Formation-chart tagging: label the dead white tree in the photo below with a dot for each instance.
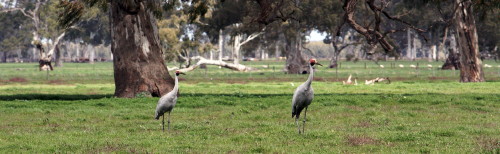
(34, 15)
(239, 40)
(203, 61)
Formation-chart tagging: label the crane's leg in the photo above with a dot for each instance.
(297, 123)
(163, 122)
(169, 121)
(304, 125)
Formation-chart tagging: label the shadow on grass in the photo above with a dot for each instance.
(240, 95)
(51, 97)
(73, 97)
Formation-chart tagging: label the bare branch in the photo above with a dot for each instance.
(10, 10)
(253, 36)
(57, 41)
(203, 61)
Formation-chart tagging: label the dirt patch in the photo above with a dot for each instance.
(488, 144)
(355, 108)
(357, 140)
(440, 78)
(364, 124)
(18, 79)
(56, 82)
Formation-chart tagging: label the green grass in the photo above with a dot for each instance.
(241, 114)
(99, 73)
(255, 119)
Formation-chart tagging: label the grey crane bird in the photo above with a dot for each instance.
(303, 96)
(167, 103)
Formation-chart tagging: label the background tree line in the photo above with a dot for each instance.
(226, 32)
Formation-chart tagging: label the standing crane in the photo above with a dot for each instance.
(167, 102)
(303, 96)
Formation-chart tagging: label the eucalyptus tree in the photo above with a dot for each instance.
(14, 34)
(463, 20)
(138, 63)
(43, 16)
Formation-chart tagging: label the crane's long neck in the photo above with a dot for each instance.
(311, 76)
(176, 86)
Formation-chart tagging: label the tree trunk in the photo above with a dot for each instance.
(4, 57)
(44, 62)
(408, 44)
(91, 49)
(442, 46)
(452, 62)
(236, 49)
(334, 60)
(432, 53)
(414, 48)
(470, 62)
(295, 62)
(277, 53)
(59, 55)
(221, 44)
(138, 64)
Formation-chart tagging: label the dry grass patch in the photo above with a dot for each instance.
(18, 79)
(357, 140)
(488, 145)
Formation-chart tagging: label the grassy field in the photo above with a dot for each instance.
(229, 112)
(269, 71)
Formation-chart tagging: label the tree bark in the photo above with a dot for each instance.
(432, 53)
(138, 64)
(4, 57)
(91, 49)
(277, 53)
(470, 62)
(236, 49)
(295, 62)
(452, 62)
(408, 44)
(442, 46)
(334, 59)
(59, 55)
(221, 44)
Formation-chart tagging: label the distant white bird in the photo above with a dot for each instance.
(371, 82)
(349, 81)
(167, 102)
(303, 96)
(381, 66)
(401, 65)
(429, 65)
(293, 85)
(413, 66)
(488, 66)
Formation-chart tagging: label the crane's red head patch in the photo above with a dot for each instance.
(178, 72)
(313, 61)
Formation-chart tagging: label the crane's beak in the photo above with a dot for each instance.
(182, 73)
(319, 64)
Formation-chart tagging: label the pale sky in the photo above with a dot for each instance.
(316, 36)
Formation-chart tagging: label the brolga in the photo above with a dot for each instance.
(303, 96)
(167, 103)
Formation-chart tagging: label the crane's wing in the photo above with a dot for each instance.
(165, 104)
